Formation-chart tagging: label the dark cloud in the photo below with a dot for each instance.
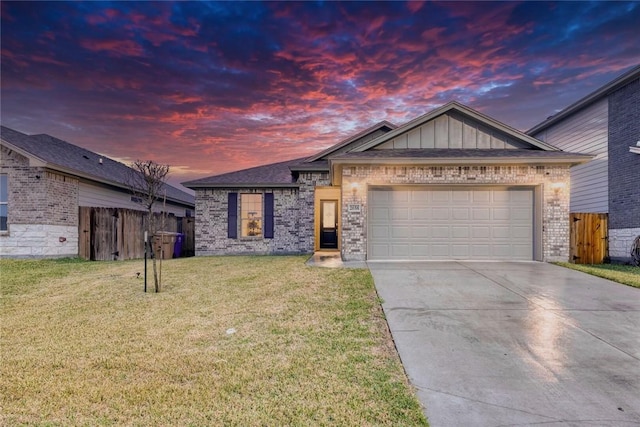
(209, 87)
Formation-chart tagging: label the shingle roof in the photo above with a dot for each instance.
(271, 175)
(69, 158)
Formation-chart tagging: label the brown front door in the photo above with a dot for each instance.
(329, 224)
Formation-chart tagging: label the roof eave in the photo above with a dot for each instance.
(605, 90)
(304, 168)
(194, 186)
(351, 139)
(572, 160)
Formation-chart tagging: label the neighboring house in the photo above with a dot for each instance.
(451, 184)
(44, 181)
(605, 124)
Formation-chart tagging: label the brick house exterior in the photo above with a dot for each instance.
(606, 124)
(44, 182)
(494, 192)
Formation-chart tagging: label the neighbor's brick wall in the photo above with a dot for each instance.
(555, 209)
(624, 170)
(624, 166)
(50, 199)
(211, 224)
(41, 210)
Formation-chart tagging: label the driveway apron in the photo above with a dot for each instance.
(505, 344)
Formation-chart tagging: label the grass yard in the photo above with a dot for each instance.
(625, 274)
(81, 344)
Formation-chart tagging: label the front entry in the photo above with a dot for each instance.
(328, 224)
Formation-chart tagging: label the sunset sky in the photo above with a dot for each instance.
(213, 87)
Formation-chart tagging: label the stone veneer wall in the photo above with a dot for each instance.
(212, 216)
(555, 209)
(42, 210)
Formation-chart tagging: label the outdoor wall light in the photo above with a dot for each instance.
(557, 186)
(354, 187)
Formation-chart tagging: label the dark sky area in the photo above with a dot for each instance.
(214, 87)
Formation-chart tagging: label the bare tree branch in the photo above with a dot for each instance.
(146, 181)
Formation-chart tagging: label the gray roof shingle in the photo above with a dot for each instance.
(274, 174)
(73, 159)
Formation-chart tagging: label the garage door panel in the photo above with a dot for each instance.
(440, 250)
(461, 196)
(480, 214)
(380, 232)
(480, 196)
(522, 196)
(380, 214)
(400, 213)
(441, 231)
(420, 231)
(420, 214)
(458, 232)
(501, 214)
(481, 232)
(520, 232)
(440, 213)
(400, 232)
(440, 196)
(460, 214)
(460, 251)
(399, 196)
(521, 213)
(400, 251)
(451, 224)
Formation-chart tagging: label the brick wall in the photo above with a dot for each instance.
(624, 170)
(624, 166)
(42, 210)
(211, 224)
(308, 182)
(555, 209)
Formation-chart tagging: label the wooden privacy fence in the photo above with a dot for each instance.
(588, 237)
(118, 234)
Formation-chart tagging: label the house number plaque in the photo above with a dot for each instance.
(353, 207)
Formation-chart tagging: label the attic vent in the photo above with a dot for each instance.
(85, 156)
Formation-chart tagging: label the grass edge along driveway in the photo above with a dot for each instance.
(626, 274)
(229, 341)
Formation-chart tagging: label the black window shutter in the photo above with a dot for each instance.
(268, 215)
(232, 223)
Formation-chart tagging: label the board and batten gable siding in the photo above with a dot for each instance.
(585, 132)
(91, 195)
(451, 131)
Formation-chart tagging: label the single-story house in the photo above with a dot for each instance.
(606, 125)
(451, 184)
(44, 181)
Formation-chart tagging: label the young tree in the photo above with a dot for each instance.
(146, 181)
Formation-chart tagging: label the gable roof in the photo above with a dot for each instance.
(465, 111)
(384, 126)
(59, 155)
(271, 175)
(598, 94)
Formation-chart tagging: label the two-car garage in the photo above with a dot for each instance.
(443, 223)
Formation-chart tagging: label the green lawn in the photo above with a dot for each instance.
(237, 341)
(625, 274)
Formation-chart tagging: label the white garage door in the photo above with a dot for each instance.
(450, 223)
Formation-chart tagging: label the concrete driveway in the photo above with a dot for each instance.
(504, 344)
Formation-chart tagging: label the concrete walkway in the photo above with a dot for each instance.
(506, 344)
(333, 259)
